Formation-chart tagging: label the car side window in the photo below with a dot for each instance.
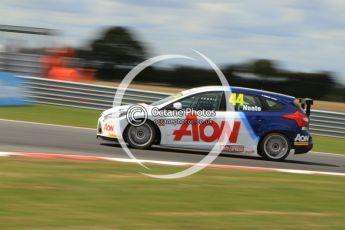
(247, 103)
(201, 101)
(272, 105)
(208, 101)
(188, 102)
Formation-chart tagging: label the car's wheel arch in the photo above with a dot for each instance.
(282, 132)
(158, 132)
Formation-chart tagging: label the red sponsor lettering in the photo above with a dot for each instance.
(198, 131)
(108, 127)
(214, 136)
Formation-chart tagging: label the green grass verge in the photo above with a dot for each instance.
(88, 118)
(60, 115)
(65, 194)
(329, 144)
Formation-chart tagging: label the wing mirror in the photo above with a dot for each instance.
(177, 105)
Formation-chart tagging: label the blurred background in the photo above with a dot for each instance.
(64, 59)
(292, 47)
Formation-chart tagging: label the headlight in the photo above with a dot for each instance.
(116, 114)
(122, 113)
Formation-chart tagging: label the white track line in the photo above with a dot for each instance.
(296, 171)
(125, 160)
(92, 158)
(335, 154)
(46, 124)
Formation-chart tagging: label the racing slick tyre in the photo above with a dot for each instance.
(274, 147)
(140, 137)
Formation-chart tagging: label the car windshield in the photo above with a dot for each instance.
(166, 99)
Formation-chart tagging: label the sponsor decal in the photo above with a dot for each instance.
(237, 99)
(197, 130)
(250, 151)
(301, 139)
(251, 108)
(112, 135)
(273, 98)
(108, 127)
(234, 148)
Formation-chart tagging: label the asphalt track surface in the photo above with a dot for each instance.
(40, 138)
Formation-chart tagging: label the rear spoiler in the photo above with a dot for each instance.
(306, 104)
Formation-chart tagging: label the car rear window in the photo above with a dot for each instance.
(298, 106)
(272, 105)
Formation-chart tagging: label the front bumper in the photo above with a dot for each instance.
(104, 138)
(109, 129)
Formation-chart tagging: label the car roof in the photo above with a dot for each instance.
(268, 94)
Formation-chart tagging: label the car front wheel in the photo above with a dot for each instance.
(275, 147)
(140, 137)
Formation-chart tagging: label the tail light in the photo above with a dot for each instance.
(300, 118)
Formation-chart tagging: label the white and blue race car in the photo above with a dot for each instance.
(241, 120)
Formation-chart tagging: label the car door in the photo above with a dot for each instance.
(239, 137)
(191, 130)
(253, 117)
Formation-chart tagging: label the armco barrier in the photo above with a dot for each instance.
(82, 95)
(327, 123)
(90, 96)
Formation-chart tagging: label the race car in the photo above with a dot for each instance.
(238, 120)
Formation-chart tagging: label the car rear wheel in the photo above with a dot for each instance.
(140, 137)
(275, 147)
